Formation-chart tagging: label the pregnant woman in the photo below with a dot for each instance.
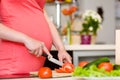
(25, 34)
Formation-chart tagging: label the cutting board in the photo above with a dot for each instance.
(54, 74)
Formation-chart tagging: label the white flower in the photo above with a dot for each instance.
(90, 28)
(93, 14)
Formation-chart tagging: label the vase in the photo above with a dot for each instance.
(86, 39)
(69, 33)
(93, 39)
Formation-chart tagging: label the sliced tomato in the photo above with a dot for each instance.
(68, 67)
(60, 70)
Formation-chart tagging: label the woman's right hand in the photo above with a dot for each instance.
(36, 47)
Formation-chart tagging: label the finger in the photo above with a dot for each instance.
(39, 53)
(61, 59)
(69, 59)
(31, 51)
(46, 51)
(64, 60)
(36, 51)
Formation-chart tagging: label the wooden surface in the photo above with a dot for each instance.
(54, 74)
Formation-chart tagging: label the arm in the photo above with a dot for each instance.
(11, 35)
(31, 44)
(62, 54)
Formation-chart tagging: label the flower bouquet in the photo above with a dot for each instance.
(91, 22)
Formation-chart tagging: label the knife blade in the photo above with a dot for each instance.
(53, 60)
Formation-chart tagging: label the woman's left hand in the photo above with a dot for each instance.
(63, 56)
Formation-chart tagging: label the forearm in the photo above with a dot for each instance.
(55, 35)
(9, 34)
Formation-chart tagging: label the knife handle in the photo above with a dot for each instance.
(44, 54)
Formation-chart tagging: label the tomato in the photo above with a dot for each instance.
(60, 70)
(106, 65)
(45, 72)
(68, 67)
(82, 63)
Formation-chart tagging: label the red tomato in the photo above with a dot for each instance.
(60, 70)
(82, 63)
(45, 72)
(106, 65)
(68, 67)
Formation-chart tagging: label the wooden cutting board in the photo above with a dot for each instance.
(54, 74)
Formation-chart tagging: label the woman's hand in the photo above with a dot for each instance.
(36, 47)
(63, 56)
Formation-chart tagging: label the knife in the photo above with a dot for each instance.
(53, 60)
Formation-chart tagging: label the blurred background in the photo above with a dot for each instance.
(109, 10)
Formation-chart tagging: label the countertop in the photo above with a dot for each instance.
(89, 47)
(69, 78)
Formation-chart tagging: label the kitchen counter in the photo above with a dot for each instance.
(88, 47)
(88, 52)
(83, 52)
(69, 78)
(36, 78)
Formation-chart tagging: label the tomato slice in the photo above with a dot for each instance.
(68, 67)
(60, 70)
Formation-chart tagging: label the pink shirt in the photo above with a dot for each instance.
(25, 16)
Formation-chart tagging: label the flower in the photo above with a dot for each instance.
(69, 13)
(91, 21)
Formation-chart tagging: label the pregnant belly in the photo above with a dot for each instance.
(34, 26)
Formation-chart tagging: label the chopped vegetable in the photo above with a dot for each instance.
(97, 61)
(82, 63)
(106, 65)
(116, 67)
(97, 68)
(93, 71)
(66, 68)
